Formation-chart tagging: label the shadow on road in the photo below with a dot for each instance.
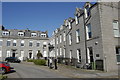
(12, 71)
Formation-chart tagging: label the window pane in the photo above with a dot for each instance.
(117, 50)
(14, 44)
(118, 58)
(0, 43)
(30, 44)
(115, 24)
(90, 34)
(88, 31)
(38, 44)
(22, 44)
(0, 53)
(116, 33)
(8, 43)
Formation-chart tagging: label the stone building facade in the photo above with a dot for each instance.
(22, 43)
(92, 37)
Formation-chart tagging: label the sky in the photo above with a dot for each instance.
(0, 13)
(37, 15)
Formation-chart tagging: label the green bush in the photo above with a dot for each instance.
(40, 62)
(2, 77)
(31, 60)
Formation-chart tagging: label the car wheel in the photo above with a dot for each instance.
(3, 70)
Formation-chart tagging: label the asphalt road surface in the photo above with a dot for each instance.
(31, 71)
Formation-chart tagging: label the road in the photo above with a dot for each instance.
(31, 71)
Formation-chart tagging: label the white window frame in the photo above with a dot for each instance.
(70, 25)
(22, 42)
(57, 40)
(116, 28)
(14, 42)
(70, 39)
(88, 55)
(79, 55)
(5, 33)
(56, 31)
(20, 33)
(77, 35)
(43, 35)
(60, 38)
(9, 41)
(76, 20)
(8, 53)
(61, 28)
(64, 36)
(64, 52)
(86, 11)
(70, 55)
(118, 54)
(1, 43)
(33, 34)
(60, 51)
(57, 51)
(66, 22)
(30, 42)
(88, 30)
(37, 44)
(0, 53)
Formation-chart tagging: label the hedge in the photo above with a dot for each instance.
(2, 77)
(31, 60)
(40, 62)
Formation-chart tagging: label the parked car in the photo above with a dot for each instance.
(5, 67)
(13, 59)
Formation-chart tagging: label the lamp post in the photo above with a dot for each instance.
(51, 47)
(48, 54)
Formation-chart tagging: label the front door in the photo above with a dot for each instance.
(14, 52)
(30, 55)
(13, 55)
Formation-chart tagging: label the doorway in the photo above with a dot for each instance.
(30, 55)
(14, 52)
(13, 55)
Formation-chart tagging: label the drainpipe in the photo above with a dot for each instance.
(85, 38)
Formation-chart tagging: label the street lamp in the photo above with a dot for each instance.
(48, 54)
(51, 47)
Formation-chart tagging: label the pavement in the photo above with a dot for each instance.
(29, 70)
(71, 71)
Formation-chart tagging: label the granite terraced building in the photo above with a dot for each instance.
(23, 44)
(92, 37)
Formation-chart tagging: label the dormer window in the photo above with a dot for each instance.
(20, 33)
(76, 19)
(56, 31)
(5, 33)
(66, 22)
(87, 11)
(53, 33)
(61, 27)
(43, 35)
(70, 26)
(57, 40)
(33, 34)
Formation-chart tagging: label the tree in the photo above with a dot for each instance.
(39, 54)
